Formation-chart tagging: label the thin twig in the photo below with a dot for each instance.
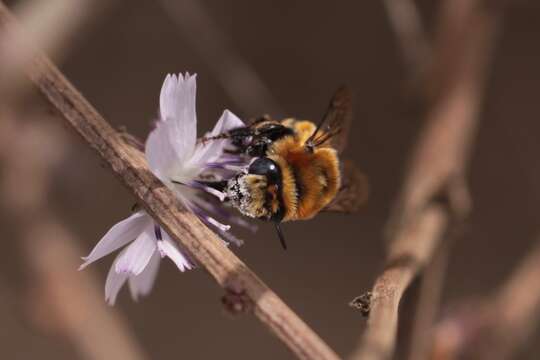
(206, 248)
(411, 36)
(235, 74)
(437, 168)
(71, 303)
(453, 30)
(61, 300)
(494, 328)
(405, 20)
(51, 24)
(428, 303)
(409, 254)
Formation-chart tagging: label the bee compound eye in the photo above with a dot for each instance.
(267, 167)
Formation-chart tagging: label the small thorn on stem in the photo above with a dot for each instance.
(362, 303)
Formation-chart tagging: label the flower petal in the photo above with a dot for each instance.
(114, 282)
(142, 284)
(137, 255)
(167, 96)
(221, 227)
(119, 235)
(177, 108)
(212, 150)
(229, 238)
(202, 207)
(168, 248)
(159, 152)
(226, 122)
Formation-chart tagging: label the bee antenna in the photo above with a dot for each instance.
(280, 235)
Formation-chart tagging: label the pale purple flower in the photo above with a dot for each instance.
(179, 161)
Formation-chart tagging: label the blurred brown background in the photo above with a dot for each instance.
(302, 50)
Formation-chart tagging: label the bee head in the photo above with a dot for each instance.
(256, 192)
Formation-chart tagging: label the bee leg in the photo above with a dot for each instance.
(221, 136)
(233, 151)
(258, 148)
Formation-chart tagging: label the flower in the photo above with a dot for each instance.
(179, 161)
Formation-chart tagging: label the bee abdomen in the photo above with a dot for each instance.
(316, 182)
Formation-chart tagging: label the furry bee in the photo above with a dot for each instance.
(296, 171)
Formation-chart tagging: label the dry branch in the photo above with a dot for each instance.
(428, 302)
(51, 24)
(71, 303)
(409, 253)
(496, 326)
(434, 190)
(206, 248)
(235, 74)
(405, 19)
(60, 300)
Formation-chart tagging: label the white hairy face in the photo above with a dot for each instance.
(247, 193)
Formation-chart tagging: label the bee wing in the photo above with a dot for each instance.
(335, 122)
(353, 192)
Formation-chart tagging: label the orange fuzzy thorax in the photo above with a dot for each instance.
(310, 180)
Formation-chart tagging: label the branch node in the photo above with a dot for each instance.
(362, 303)
(454, 197)
(236, 300)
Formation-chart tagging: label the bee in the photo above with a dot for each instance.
(296, 170)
